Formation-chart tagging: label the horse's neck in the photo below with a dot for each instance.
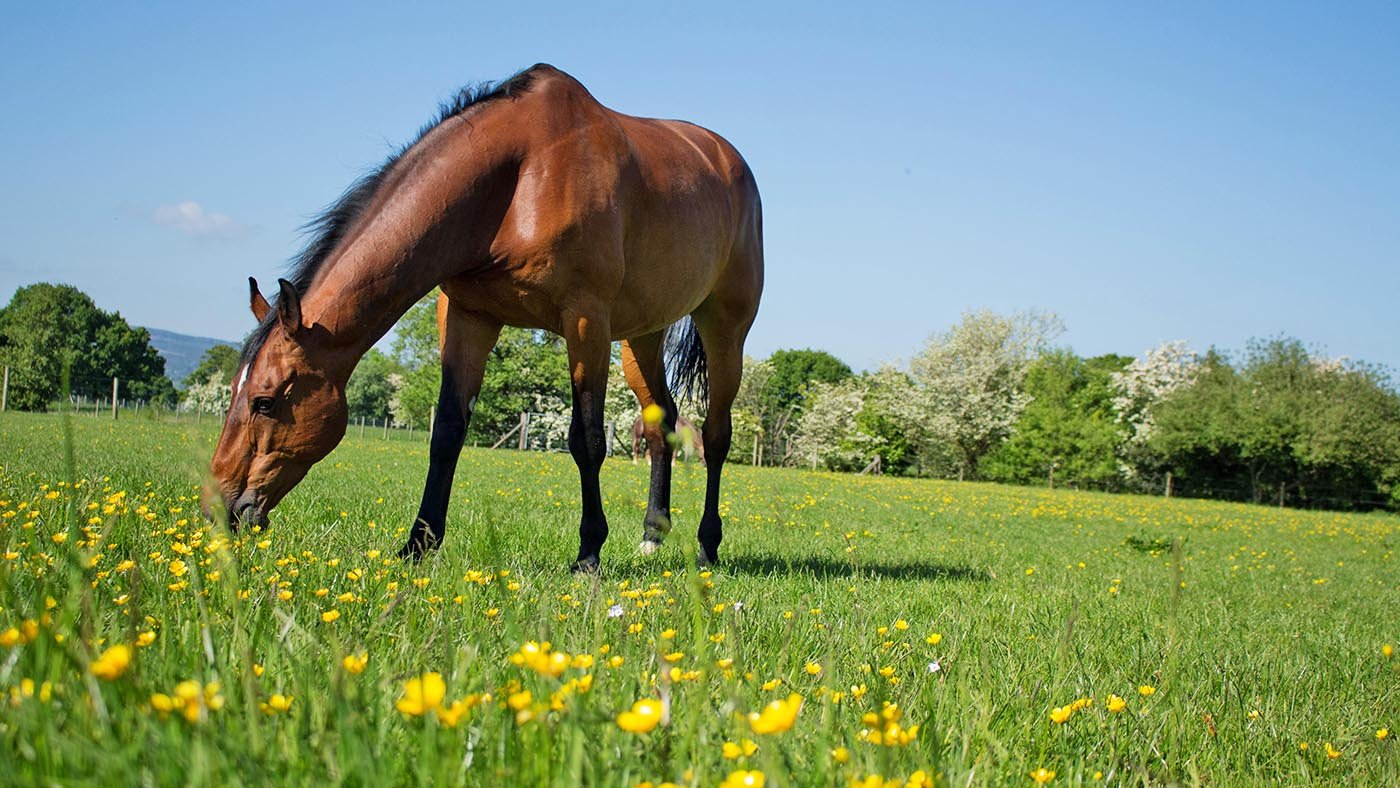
(397, 255)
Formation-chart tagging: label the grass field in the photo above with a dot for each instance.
(1178, 641)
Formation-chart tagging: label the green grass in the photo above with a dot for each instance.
(1260, 628)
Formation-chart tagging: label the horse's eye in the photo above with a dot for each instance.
(262, 405)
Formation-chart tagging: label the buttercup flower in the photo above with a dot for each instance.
(643, 717)
(113, 662)
(422, 694)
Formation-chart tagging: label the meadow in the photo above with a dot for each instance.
(857, 630)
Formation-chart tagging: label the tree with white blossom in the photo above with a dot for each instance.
(967, 382)
(211, 396)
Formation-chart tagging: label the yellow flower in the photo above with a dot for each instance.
(1146, 689)
(113, 662)
(732, 750)
(934, 639)
(355, 663)
(10, 637)
(178, 567)
(1060, 714)
(777, 716)
(1387, 651)
(1042, 775)
(450, 715)
(1116, 704)
(541, 659)
(146, 638)
(840, 755)
(1332, 752)
(643, 717)
(813, 669)
(276, 703)
(422, 694)
(330, 615)
(1382, 734)
(901, 625)
(743, 779)
(652, 414)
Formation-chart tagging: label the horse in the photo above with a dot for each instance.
(529, 204)
(687, 439)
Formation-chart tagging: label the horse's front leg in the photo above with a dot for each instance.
(589, 345)
(466, 341)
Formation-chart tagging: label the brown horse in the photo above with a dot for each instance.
(531, 205)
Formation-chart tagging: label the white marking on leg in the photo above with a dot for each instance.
(648, 547)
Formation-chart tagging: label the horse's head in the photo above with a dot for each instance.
(288, 411)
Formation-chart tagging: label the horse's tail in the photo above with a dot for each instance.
(686, 362)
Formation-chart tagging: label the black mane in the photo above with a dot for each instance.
(326, 229)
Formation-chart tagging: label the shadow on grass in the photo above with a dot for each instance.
(823, 568)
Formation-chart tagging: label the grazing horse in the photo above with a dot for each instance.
(530, 204)
(687, 439)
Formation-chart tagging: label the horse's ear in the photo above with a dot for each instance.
(289, 307)
(256, 301)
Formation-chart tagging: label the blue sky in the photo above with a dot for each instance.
(1149, 172)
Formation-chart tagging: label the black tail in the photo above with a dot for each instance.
(686, 362)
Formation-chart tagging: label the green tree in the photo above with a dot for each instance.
(526, 371)
(1286, 426)
(369, 390)
(46, 326)
(219, 358)
(788, 377)
(1068, 432)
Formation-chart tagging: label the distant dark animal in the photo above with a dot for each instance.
(530, 204)
(685, 431)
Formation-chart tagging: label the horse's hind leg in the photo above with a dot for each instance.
(644, 365)
(723, 322)
(466, 340)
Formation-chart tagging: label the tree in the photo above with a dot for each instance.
(219, 358)
(368, 392)
(777, 402)
(1283, 425)
(967, 383)
(527, 371)
(47, 327)
(845, 425)
(1068, 432)
(214, 395)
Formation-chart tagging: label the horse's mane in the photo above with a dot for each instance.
(328, 228)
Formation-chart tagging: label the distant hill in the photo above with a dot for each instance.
(181, 352)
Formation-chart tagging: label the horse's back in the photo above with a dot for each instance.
(643, 214)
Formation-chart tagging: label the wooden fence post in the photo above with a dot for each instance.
(386, 428)
(362, 428)
(1169, 484)
(114, 399)
(5, 391)
(524, 431)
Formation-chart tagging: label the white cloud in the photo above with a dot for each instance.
(191, 218)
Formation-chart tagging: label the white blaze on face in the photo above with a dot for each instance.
(242, 378)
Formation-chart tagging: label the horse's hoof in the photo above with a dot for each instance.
(648, 547)
(587, 565)
(705, 558)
